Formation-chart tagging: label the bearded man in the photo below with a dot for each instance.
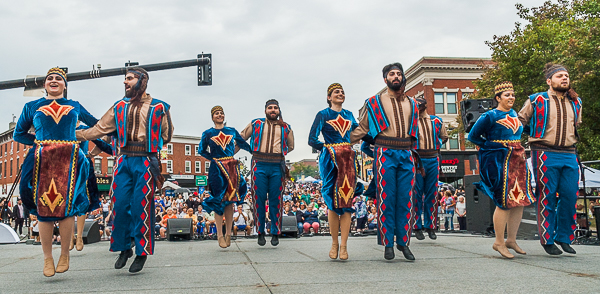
(142, 125)
(552, 118)
(270, 140)
(392, 119)
(432, 135)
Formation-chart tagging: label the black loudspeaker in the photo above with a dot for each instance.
(289, 225)
(179, 228)
(471, 110)
(91, 232)
(480, 208)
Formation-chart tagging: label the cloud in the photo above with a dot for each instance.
(286, 50)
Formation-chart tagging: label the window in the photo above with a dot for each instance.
(18, 148)
(198, 167)
(206, 166)
(5, 167)
(18, 162)
(12, 144)
(169, 148)
(111, 164)
(11, 167)
(445, 103)
(188, 167)
(1, 169)
(452, 142)
(451, 102)
(188, 150)
(196, 150)
(98, 165)
(170, 166)
(439, 103)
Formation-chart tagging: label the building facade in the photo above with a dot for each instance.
(444, 82)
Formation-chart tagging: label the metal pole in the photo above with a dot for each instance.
(38, 82)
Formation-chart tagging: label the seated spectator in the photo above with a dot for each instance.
(241, 221)
(201, 221)
(311, 220)
(183, 212)
(109, 224)
(209, 220)
(302, 207)
(287, 211)
(190, 214)
(163, 223)
(372, 218)
(299, 219)
(361, 215)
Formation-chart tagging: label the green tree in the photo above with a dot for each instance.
(565, 32)
(299, 169)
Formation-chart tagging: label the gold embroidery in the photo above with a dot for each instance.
(511, 123)
(52, 198)
(340, 124)
(222, 140)
(56, 111)
(346, 191)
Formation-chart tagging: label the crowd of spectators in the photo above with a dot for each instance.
(303, 201)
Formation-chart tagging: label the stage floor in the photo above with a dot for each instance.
(454, 263)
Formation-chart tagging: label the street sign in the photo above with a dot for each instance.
(201, 181)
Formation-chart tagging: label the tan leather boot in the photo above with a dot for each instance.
(228, 240)
(222, 242)
(333, 253)
(343, 252)
(79, 243)
(515, 247)
(49, 267)
(503, 251)
(63, 264)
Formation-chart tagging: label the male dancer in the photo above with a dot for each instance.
(432, 134)
(142, 125)
(270, 139)
(392, 119)
(553, 117)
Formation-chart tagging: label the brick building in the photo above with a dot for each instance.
(182, 164)
(444, 82)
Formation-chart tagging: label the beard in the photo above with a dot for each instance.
(560, 88)
(132, 93)
(272, 116)
(395, 85)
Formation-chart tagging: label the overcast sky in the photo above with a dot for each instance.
(287, 50)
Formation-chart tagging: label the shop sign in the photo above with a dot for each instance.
(449, 166)
(182, 177)
(201, 181)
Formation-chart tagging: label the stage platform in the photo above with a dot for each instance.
(454, 263)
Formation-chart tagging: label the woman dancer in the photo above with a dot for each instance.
(505, 176)
(92, 186)
(227, 187)
(337, 166)
(55, 170)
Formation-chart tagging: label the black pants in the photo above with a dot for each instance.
(462, 223)
(19, 224)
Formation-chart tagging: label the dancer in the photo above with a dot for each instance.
(553, 117)
(270, 140)
(337, 166)
(227, 186)
(432, 135)
(92, 186)
(55, 170)
(142, 125)
(392, 119)
(505, 175)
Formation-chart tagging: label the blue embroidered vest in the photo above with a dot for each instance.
(540, 103)
(257, 130)
(156, 110)
(378, 122)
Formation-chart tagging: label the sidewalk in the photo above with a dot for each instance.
(454, 263)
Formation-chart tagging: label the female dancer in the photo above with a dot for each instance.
(227, 187)
(55, 171)
(337, 166)
(505, 176)
(92, 186)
